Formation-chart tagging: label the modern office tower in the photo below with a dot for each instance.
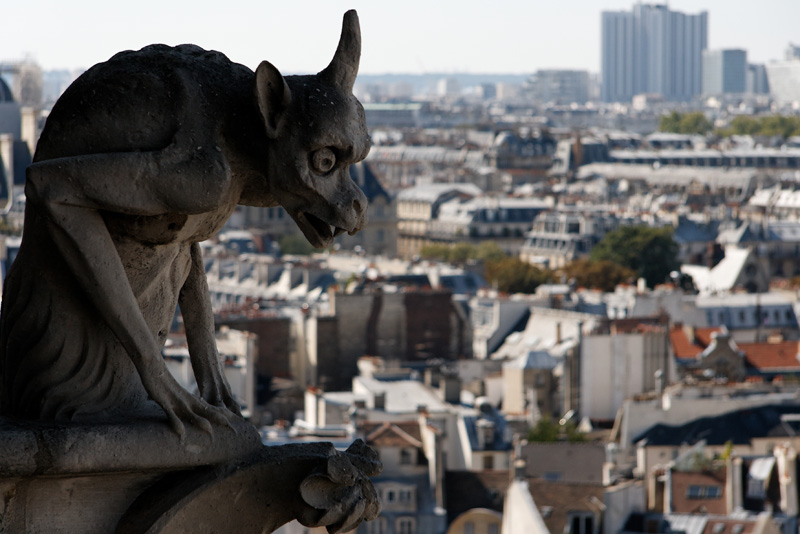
(560, 86)
(757, 79)
(784, 81)
(724, 71)
(652, 50)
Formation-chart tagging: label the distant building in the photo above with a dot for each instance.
(448, 87)
(393, 115)
(504, 221)
(724, 71)
(418, 207)
(784, 76)
(560, 86)
(757, 82)
(784, 80)
(558, 238)
(378, 237)
(652, 50)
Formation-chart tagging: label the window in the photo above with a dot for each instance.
(580, 522)
(469, 527)
(488, 462)
(405, 525)
(405, 457)
(755, 488)
(494, 528)
(390, 496)
(377, 526)
(552, 476)
(704, 492)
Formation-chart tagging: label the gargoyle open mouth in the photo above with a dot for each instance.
(323, 233)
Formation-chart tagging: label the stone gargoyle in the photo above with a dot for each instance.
(143, 157)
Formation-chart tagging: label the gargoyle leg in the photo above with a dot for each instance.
(198, 320)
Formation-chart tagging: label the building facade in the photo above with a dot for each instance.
(560, 86)
(724, 71)
(652, 50)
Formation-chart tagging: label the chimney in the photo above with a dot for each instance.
(558, 333)
(484, 430)
(787, 478)
(379, 400)
(29, 127)
(450, 389)
(7, 161)
(734, 492)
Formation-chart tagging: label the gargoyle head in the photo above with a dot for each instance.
(317, 130)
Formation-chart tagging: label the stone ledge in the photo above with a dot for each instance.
(32, 448)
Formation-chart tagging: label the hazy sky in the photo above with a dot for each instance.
(404, 36)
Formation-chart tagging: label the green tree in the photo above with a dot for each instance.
(604, 275)
(772, 125)
(670, 122)
(296, 245)
(439, 252)
(512, 275)
(461, 252)
(545, 430)
(572, 433)
(650, 252)
(695, 123)
(685, 123)
(489, 251)
(743, 125)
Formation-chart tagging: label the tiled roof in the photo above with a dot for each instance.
(771, 356)
(682, 346)
(686, 348)
(399, 434)
(739, 427)
(703, 335)
(563, 498)
(475, 489)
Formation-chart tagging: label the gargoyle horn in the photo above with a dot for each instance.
(343, 68)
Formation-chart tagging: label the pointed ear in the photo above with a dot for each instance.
(273, 96)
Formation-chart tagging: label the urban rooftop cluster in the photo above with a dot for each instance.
(574, 308)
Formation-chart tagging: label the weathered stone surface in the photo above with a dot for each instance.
(143, 157)
(242, 497)
(58, 449)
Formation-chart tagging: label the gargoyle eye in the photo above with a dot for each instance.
(323, 160)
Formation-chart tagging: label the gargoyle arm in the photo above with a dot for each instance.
(198, 320)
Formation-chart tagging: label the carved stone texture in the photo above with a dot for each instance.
(143, 157)
(132, 478)
(321, 487)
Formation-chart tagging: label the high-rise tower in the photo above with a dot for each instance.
(652, 50)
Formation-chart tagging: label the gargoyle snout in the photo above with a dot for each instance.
(357, 211)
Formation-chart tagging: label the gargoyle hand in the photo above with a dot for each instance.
(339, 494)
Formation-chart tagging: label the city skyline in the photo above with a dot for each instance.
(416, 38)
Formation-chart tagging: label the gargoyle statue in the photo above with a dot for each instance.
(143, 157)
